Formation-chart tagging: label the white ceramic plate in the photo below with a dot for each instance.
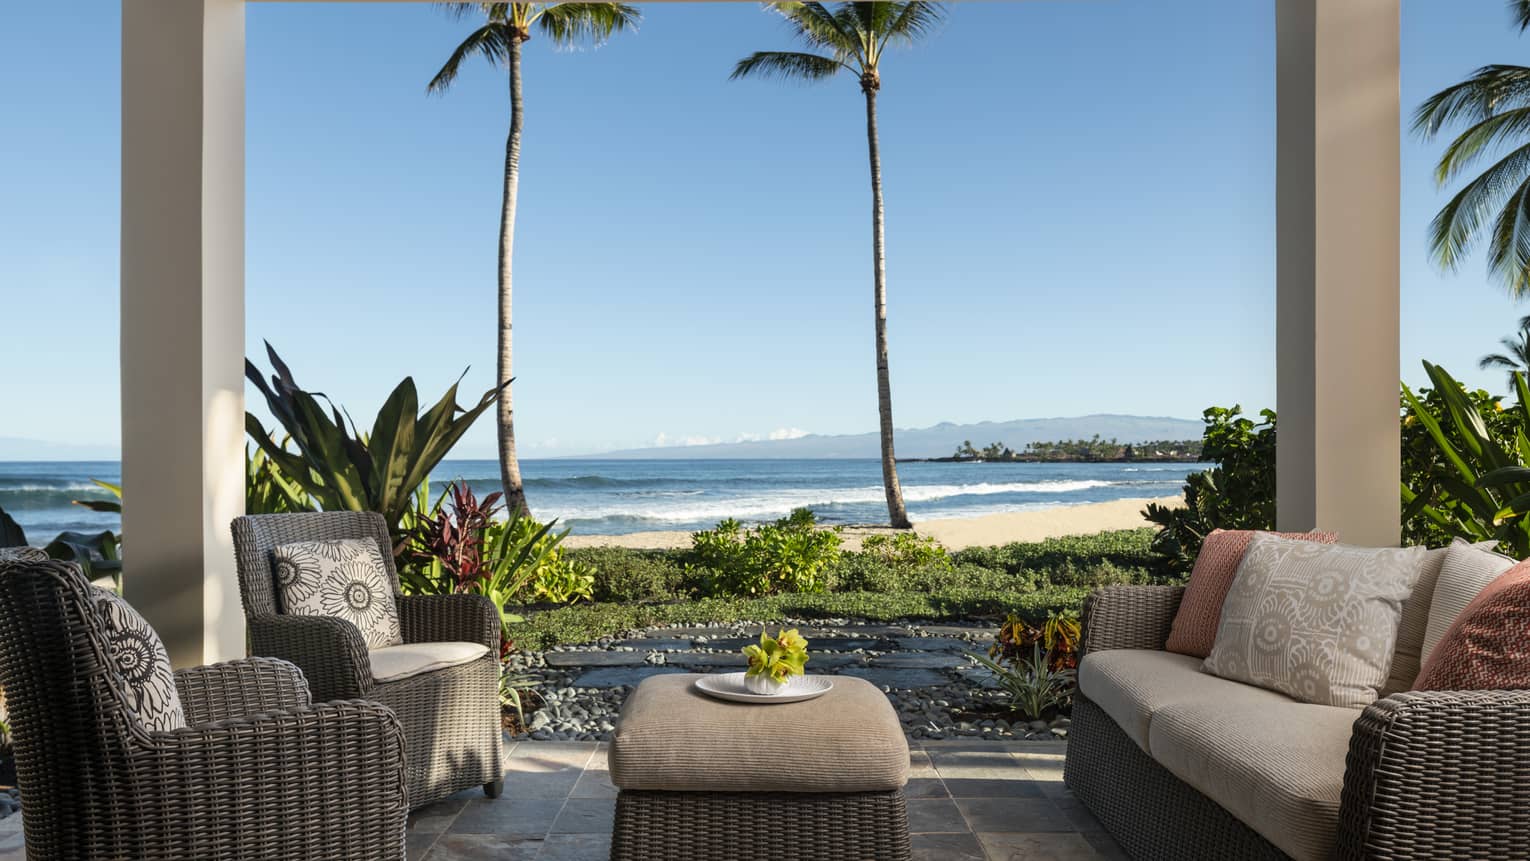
(730, 686)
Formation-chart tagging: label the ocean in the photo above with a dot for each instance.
(612, 497)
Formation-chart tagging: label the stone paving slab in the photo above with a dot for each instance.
(620, 677)
(925, 660)
(690, 633)
(657, 644)
(820, 644)
(708, 659)
(899, 678)
(980, 632)
(595, 659)
(933, 644)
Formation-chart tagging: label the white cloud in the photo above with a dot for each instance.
(664, 440)
(788, 433)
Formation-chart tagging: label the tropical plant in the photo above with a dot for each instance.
(1479, 486)
(1494, 106)
(852, 37)
(1035, 667)
(107, 506)
(266, 490)
(1516, 356)
(777, 658)
(11, 533)
(343, 469)
(904, 551)
(1237, 493)
(506, 28)
(789, 555)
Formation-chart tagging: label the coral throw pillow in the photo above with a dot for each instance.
(1488, 646)
(1200, 611)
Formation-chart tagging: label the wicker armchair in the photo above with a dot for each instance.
(451, 716)
(258, 773)
(1430, 774)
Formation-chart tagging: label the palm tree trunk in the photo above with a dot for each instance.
(509, 467)
(895, 510)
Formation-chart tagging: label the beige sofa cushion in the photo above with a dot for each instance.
(1278, 766)
(1131, 684)
(1408, 657)
(670, 737)
(391, 663)
(1467, 570)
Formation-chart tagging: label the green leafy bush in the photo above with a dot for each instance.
(630, 576)
(789, 555)
(1238, 493)
(1121, 556)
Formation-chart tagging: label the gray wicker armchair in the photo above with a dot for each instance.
(259, 773)
(1429, 774)
(451, 716)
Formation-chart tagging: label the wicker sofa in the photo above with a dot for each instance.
(451, 716)
(1177, 763)
(258, 773)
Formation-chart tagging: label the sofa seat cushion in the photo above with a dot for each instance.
(1131, 685)
(391, 663)
(671, 737)
(1275, 764)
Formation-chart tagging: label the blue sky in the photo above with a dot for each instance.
(1080, 202)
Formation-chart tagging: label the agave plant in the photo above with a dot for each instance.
(1479, 488)
(343, 469)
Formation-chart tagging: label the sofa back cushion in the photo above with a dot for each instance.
(1315, 622)
(1488, 645)
(1195, 624)
(1419, 610)
(344, 578)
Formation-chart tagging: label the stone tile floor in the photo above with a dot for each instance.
(967, 801)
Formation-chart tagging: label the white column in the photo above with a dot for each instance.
(183, 319)
(1337, 169)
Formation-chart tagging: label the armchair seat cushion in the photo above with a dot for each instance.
(1132, 685)
(1277, 765)
(391, 663)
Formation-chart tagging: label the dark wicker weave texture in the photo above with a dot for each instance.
(1437, 774)
(451, 716)
(260, 773)
(749, 826)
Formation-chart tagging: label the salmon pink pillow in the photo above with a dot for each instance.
(1200, 611)
(1487, 648)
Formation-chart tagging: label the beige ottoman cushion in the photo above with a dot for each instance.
(671, 737)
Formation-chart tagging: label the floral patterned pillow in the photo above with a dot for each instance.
(344, 578)
(141, 662)
(1316, 622)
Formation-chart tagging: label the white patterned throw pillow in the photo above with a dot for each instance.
(1316, 622)
(141, 663)
(345, 579)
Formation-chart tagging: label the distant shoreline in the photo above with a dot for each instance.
(1031, 459)
(953, 533)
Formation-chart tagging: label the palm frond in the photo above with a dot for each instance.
(1497, 360)
(916, 20)
(491, 41)
(1482, 137)
(1488, 91)
(1509, 247)
(818, 27)
(490, 11)
(1454, 230)
(568, 25)
(1521, 11)
(785, 65)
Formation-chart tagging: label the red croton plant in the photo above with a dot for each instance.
(455, 536)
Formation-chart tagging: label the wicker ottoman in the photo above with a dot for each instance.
(706, 780)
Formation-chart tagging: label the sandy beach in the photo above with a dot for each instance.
(955, 533)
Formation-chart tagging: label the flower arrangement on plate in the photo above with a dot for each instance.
(774, 661)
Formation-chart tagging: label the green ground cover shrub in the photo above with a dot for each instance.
(789, 555)
(627, 576)
(1121, 556)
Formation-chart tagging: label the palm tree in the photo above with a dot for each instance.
(506, 28)
(1516, 358)
(852, 37)
(1494, 106)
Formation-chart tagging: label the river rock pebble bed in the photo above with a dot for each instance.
(923, 668)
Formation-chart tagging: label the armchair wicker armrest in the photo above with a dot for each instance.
(330, 652)
(325, 781)
(1130, 617)
(449, 619)
(1438, 774)
(237, 688)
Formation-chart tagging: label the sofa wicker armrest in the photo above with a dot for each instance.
(324, 781)
(1438, 774)
(330, 652)
(449, 619)
(236, 688)
(1130, 617)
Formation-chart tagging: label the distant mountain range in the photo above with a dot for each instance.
(936, 441)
